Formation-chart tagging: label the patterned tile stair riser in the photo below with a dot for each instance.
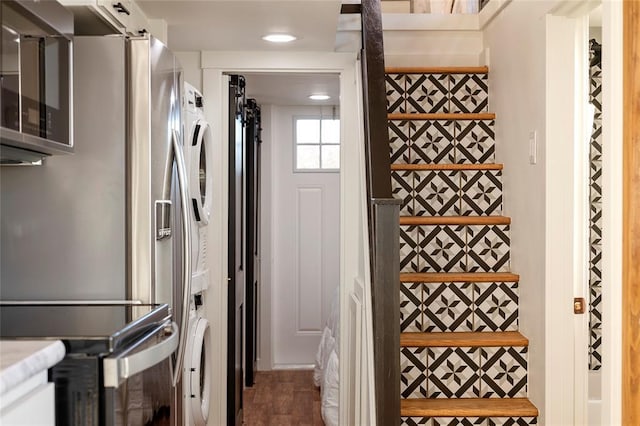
(469, 421)
(442, 142)
(443, 167)
(595, 219)
(435, 93)
(448, 192)
(454, 248)
(463, 372)
(459, 306)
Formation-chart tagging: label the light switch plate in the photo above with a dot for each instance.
(533, 147)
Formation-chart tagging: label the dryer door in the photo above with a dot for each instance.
(201, 176)
(199, 373)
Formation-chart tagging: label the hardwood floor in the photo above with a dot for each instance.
(282, 398)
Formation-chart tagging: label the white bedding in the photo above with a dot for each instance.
(326, 372)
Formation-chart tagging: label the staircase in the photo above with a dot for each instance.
(463, 360)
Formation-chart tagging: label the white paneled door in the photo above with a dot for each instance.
(306, 250)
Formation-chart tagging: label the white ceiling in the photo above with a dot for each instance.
(292, 89)
(595, 17)
(238, 25)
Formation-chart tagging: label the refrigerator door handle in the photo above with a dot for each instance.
(186, 255)
(117, 370)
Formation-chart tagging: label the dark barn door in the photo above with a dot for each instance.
(236, 254)
(253, 131)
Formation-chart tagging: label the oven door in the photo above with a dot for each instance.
(138, 381)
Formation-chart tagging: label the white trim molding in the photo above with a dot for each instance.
(612, 183)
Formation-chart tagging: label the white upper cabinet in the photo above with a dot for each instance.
(125, 16)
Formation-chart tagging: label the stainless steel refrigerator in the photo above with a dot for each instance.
(109, 222)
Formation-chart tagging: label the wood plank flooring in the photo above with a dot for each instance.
(282, 398)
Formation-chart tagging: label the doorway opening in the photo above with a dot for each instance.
(291, 236)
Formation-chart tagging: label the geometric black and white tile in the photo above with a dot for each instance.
(464, 372)
(402, 189)
(458, 306)
(469, 421)
(442, 248)
(482, 192)
(427, 93)
(488, 248)
(512, 421)
(448, 192)
(395, 87)
(468, 93)
(454, 248)
(409, 248)
(399, 145)
(504, 372)
(411, 307)
(595, 221)
(413, 372)
(475, 141)
(495, 306)
(436, 93)
(459, 421)
(437, 193)
(448, 307)
(416, 421)
(453, 372)
(432, 141)
(443, 142)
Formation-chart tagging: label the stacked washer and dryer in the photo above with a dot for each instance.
(198, 150)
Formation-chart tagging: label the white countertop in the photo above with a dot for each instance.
(22, 359)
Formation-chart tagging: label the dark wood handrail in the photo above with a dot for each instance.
(375, 102)
(383, 217)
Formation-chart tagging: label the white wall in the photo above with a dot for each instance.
(265, 352)
(432, 48)
(516, 43)
(192, 71)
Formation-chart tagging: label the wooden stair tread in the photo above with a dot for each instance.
(455, 220)
(442, 116)
(463, 339)
(437, 70)
(468, 407)
(451, 277)
(398, 166)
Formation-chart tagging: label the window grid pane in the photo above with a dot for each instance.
(308, 131)
(330, 131)
(308, 157)
(317, 144)
(330, 156)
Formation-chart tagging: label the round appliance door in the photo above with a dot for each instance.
(199, 372)
(201, 171)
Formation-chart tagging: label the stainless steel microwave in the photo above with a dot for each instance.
(35, 80)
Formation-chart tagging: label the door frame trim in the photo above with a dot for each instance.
(566, 201)
(214, 65)
(612, 221)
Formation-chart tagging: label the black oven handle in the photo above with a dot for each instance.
(117, 369)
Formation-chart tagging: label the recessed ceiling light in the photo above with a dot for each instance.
(319, 97)
(279, 38)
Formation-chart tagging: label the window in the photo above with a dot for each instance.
(317, 144)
